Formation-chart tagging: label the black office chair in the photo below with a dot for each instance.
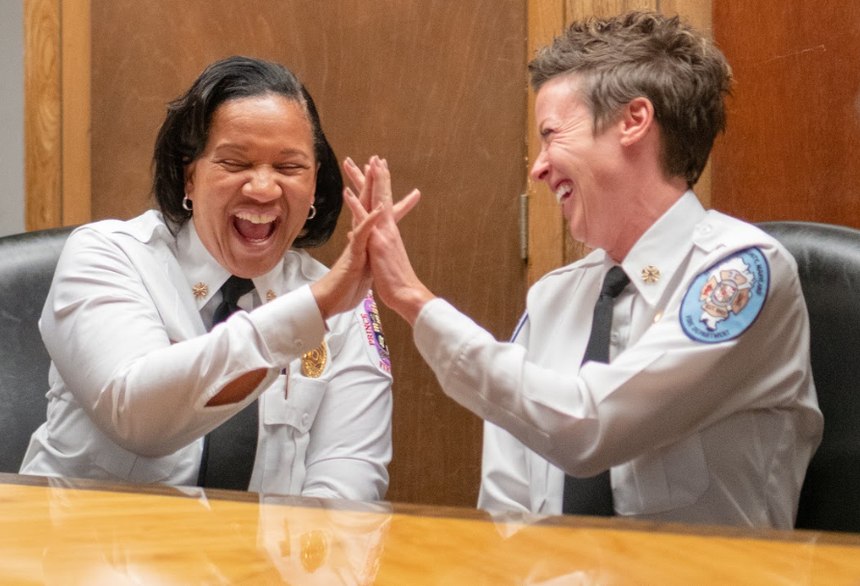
(828, 260)
(27, 263)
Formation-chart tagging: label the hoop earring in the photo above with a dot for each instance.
(313, 212)
(186, 204)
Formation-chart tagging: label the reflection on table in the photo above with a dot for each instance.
(78, 532)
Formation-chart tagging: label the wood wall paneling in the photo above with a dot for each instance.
(56, 114)
(42, 114)
(75, 79)
(791, 150)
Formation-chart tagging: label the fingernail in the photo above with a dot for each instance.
(350, 162)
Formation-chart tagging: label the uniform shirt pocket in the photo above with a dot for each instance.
(672, 477)
(296, 405)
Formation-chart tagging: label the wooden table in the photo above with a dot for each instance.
(80, 532)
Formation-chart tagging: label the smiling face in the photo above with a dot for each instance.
(254, 183)
(581, 168)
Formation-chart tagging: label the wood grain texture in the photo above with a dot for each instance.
(547, 228)
(42, 114)
(577, 9)
(436, 87)
(791, 151)
(57, 533)
(699, 14)
(76, 165)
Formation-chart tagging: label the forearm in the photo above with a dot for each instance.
(151, 396)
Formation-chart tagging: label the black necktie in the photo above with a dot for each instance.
(229, 449)
(593, 496)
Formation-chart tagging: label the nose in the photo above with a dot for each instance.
(262, 184)
(540, 168)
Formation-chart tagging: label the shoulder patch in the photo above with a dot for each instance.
(373, 335)
(725, 300)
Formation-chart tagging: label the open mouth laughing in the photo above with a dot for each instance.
(255, 227)
(562, 192)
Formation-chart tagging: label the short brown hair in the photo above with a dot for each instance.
(645, 54)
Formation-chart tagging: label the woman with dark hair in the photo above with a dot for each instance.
(193, 332)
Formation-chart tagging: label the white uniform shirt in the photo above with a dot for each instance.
(133, 368)
(711, 432)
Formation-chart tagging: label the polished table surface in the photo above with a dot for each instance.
(55, 531)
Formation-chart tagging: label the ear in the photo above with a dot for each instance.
(637, 118)
(189, 176)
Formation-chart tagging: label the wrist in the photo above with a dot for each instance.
(321, 295)
(409, 303)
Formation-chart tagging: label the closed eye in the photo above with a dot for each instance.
(291, 168)
(233, 165)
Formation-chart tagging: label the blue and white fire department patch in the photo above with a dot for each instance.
(373, 333)
(726, 299)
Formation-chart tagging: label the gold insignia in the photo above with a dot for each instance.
(270, 295)
(313, 362)
(650, 274)
(314, 551)
(200, 290)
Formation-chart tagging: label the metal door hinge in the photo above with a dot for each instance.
(524, 227)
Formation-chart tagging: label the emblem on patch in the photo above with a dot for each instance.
(313, 362)
(373, 332)
(726, 299)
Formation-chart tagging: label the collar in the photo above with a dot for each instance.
(205, 275)
(659, 252)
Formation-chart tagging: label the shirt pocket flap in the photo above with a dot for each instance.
(670, 478)
(298, 406)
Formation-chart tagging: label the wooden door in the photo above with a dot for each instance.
(435, 86)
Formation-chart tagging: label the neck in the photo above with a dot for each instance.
(647, 202)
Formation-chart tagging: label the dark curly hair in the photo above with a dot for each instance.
(183, 135)
(645, 54)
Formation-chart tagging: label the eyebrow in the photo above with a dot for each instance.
(232, 146)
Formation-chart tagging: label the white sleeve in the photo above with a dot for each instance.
(110, 343)
(662, 388)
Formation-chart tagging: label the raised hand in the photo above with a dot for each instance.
(358, 179)
(349, 279)
(394, 278)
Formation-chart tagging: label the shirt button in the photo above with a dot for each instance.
(305, 418)
(299, 343)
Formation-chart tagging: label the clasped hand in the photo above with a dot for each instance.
(375, 252)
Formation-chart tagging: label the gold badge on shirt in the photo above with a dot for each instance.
(313, 362)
